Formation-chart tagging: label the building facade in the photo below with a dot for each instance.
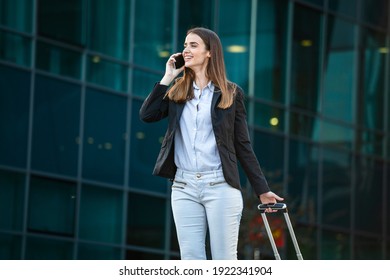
(76, 161)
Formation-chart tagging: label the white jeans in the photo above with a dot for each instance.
(201, 201)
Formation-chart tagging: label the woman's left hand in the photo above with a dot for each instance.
(270, 197)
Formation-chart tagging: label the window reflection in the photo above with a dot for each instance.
(56, 126)
(58, 60)
(303, 181)
(270, 66)
(153, 46)
(347, 7)
(373, 53)
(62, 20)
(104, 137)
(305, 59)
(15, 48)
(336, 188)
(340, 53)
(145, 142)
(16, 14)
(109, 27)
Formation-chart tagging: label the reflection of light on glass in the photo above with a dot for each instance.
(161, 139)
(236, 49)
(306, 43)
(383, 50)
(274, 121)
(96, 59)
(90, 140)
(108, 146)
(163, 54)
(140, 135)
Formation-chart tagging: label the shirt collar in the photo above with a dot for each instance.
(210, 86)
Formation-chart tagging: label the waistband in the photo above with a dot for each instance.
(199, 175)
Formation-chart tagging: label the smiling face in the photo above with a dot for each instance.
(196, 55)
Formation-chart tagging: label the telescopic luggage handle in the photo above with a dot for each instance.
(279, 207)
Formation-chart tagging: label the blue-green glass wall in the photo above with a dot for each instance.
(76, 161)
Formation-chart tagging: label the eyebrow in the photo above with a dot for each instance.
(191, 43)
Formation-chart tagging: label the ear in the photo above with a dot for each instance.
(208, 54)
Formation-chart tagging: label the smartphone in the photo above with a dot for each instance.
(179, 61)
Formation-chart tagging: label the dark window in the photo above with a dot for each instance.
(104, 136)
(101, 215)
(11, 200)
(55, 141)
(51, 207)
(14, 116)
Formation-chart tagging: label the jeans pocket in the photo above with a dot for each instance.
(178, 184)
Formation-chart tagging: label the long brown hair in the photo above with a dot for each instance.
(182, 89)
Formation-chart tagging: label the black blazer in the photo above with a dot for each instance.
(231, 134)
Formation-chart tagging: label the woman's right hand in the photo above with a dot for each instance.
(170, 70)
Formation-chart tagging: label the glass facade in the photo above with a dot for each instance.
(76, 161)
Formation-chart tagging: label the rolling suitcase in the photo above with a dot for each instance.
(279, 207)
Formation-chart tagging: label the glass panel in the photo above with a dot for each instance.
(387, 206)
(368, 248)
(269, 117)
(11, 200)
(347, 7)
(15, 48)
(373, 55)
(340, 53)
(271, 45)
(16, 14)
(104, 136)
(269, 150)
(145, 225)
(307, 238)
(336, 135)
(58, 60)
(10, 247)
(95, 252)
(304, 126)
(335, 246)
(369, 190)
(62, 20)
(190, 17)
(375, 12)
(47, 249)
(305, 59)
(109, 25)
(153, 46)
(315, 2)
(369, 142)
(14, 113)
(235, 39)
(336, 187)
(106, 73)
(51, 206)
(55, 141)
(101, 214)
(146, 139)
(303, 181)
(143, 82)
(139, 255)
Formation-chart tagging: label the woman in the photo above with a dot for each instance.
(207, 132)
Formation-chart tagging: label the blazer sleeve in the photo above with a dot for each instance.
(155, 106)
(244, 150)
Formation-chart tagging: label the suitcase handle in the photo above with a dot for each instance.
(274, 206)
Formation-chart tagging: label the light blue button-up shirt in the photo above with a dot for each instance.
(195, 146)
